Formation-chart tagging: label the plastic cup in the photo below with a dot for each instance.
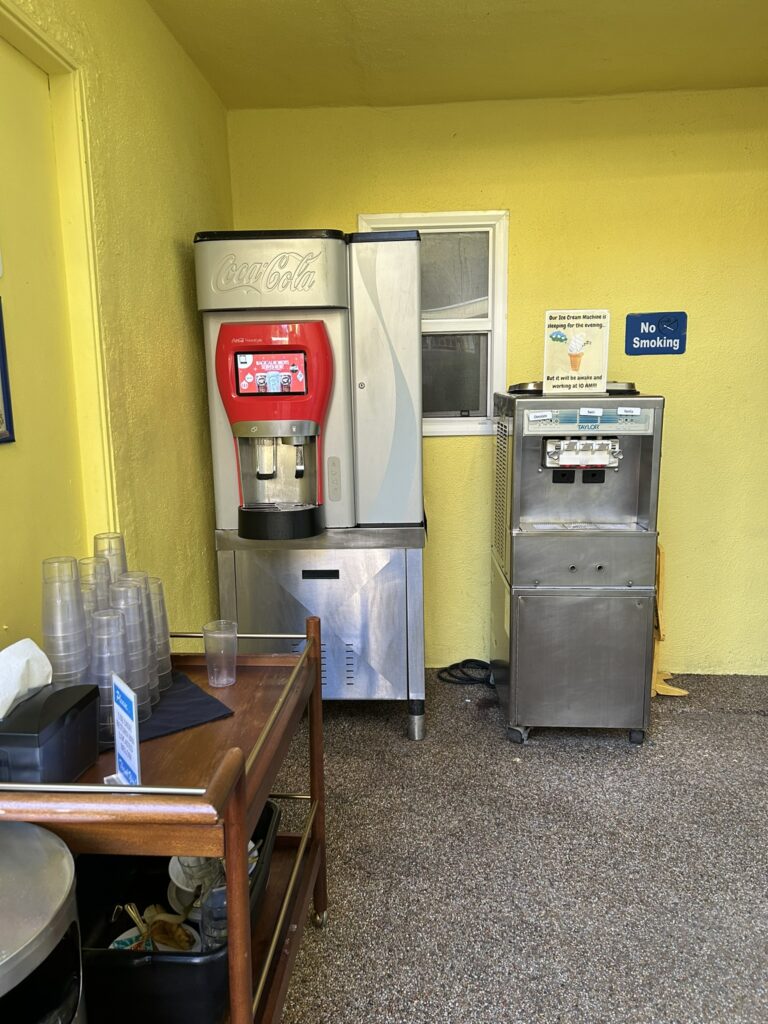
(63, 664)
(69, 644)
(108, 622)
(62, 600)
(220, 640)
(137, 679)
(108, 653)
(70, 678)
(141, 579)
(60, 569)
(96, 571)
(128, 596)
(112, 547)
(159, 609)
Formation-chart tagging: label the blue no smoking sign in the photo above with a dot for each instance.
(655, 334)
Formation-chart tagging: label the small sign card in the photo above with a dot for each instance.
(127, 757)
(575, 351)
(656, 334)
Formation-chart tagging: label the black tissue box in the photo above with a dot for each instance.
(52, 736)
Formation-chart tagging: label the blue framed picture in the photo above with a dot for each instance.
(6, 415)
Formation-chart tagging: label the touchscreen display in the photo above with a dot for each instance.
(271, 373)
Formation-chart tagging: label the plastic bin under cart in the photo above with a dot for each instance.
(123, 986)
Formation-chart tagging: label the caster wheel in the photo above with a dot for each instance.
(636, 736)
(320, 920)
(516, 735)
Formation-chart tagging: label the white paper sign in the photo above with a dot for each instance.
(575, 351)
(127, 757)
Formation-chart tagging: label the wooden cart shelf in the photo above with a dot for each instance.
(203, 791)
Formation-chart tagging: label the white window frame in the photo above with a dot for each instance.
(496, 223)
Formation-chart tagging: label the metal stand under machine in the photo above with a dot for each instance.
(574, 558)
(313, 356)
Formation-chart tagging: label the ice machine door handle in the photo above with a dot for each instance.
(320, 574)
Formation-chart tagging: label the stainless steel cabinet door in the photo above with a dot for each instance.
(360, 596)
(582, 659)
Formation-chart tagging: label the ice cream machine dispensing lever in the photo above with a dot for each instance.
(582, 453)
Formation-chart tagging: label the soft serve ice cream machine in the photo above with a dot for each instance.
(313, 356)
(574, 558)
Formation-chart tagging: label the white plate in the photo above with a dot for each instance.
(180, 898)
(129, 937)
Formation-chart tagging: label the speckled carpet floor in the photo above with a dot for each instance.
(574, 879)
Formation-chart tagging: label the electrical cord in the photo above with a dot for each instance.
(469, 672)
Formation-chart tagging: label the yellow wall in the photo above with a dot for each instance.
(633, 203)
(44, 462)
(159, 169)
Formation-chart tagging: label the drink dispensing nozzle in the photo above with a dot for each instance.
(298, 441)
(266, 458)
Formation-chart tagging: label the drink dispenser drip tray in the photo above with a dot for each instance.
(279, 521)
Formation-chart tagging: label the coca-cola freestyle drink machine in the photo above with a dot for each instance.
(313, 358)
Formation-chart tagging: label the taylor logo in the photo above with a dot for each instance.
(284, 272)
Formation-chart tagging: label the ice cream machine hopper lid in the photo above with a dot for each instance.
(613, 387)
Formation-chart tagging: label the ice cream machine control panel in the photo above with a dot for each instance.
(587, 419)
(582, 453)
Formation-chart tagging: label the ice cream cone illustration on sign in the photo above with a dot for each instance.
(576, 350)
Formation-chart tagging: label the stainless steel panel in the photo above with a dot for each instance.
(581, 659)
(227, 592)
(628, 494)
(271, 273)
(584, 559)
(414, 570)
(360, 596)
(330, 540)
(385, 313)
(500, 634)
(500, 538)
(541, 498)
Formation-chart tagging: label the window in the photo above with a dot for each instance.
(463, 314)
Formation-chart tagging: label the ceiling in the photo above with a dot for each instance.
(302, 53)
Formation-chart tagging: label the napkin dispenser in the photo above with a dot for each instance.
(52, 736)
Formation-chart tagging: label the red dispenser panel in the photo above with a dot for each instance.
(274, 371)
(275, 383)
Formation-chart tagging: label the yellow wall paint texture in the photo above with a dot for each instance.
(159, 167)
(632, 203)
(44, 461)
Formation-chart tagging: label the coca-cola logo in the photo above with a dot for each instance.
(283, 272)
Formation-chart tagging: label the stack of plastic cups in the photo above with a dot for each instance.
(125, 596)
(162, 632)
(64, 635)
(112, 547)
(94, 584)
(141, 579)
(108, 655)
